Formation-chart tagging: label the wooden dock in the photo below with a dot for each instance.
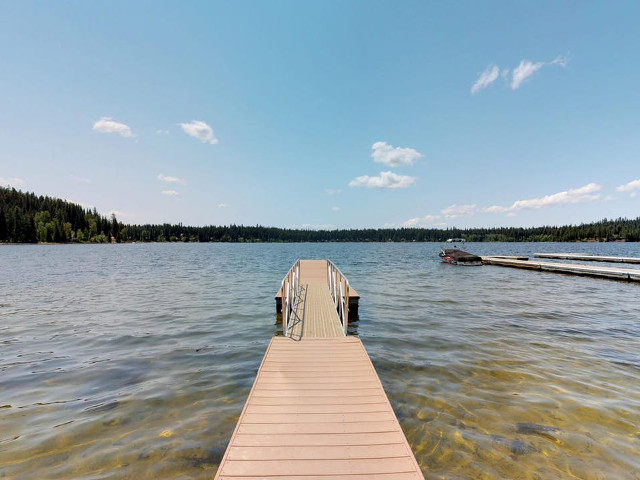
(626, 274)
(317, 409)
(587, 257)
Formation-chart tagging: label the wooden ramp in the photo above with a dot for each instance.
(317, 409)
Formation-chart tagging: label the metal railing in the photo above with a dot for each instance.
(339, 291)
(290, 289)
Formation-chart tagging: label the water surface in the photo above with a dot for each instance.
(134, 361)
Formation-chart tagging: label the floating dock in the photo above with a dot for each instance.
(587, 257)
(626, 274)
(317, 408)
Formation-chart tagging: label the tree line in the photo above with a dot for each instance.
(28, 218)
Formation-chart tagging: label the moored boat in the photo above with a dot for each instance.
(452, 254)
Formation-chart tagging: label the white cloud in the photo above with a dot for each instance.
(455, 211)
(586, 193)
(384, 180)
(163, 133)
(108, 125)
(393, 156)
(222, 205)
(524, 71)
(335, 209)
(332, 191)
(11, 182)
(427, 220)
(170, 179)
(495, 209)
(486, 78)
(200, 130)
(171, 193)
(633, 194)
(629, 187)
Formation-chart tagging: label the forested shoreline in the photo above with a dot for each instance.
(29, 218)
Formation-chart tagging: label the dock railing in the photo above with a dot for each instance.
(339, 291)
(290, 290)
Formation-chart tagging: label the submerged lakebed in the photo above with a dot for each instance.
(134, 361)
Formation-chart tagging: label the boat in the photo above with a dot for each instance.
(452, 254)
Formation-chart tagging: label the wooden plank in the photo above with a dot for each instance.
(316, 385)
(317, 418)
(376, 476)
(380, 406)
(321, 452)
(326, 400)
(318, 467)
(333, 393)
(265, 440)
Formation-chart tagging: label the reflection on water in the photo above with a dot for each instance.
(134, 361)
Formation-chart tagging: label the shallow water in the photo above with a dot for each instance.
(134, 361)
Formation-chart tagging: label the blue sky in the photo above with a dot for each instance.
(325, 114)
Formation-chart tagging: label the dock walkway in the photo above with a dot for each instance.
(588, 257)
(317, 408)
(613, 273)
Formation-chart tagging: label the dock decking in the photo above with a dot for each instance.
(626, 274)
(317, 409)
(587, 257)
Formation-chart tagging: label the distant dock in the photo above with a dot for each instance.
(317, 409)
(626, 274)
(587, 257)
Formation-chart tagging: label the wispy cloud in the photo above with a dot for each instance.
(11, 181)
(527, 68)
(200, 130)
(586, 193)
(108, 125)
(524, 71)
(393, 156)
(384, 180)
(486, 78)
(455, 211)
(425, 221)
(630, 187)
(332, 191)
(335, 209)
(560, 60)
(495, 209)
(222, 205)
(520, 74)
(170, 179)
(162, 133)
(170, 193)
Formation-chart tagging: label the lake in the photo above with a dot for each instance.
(134, 361)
